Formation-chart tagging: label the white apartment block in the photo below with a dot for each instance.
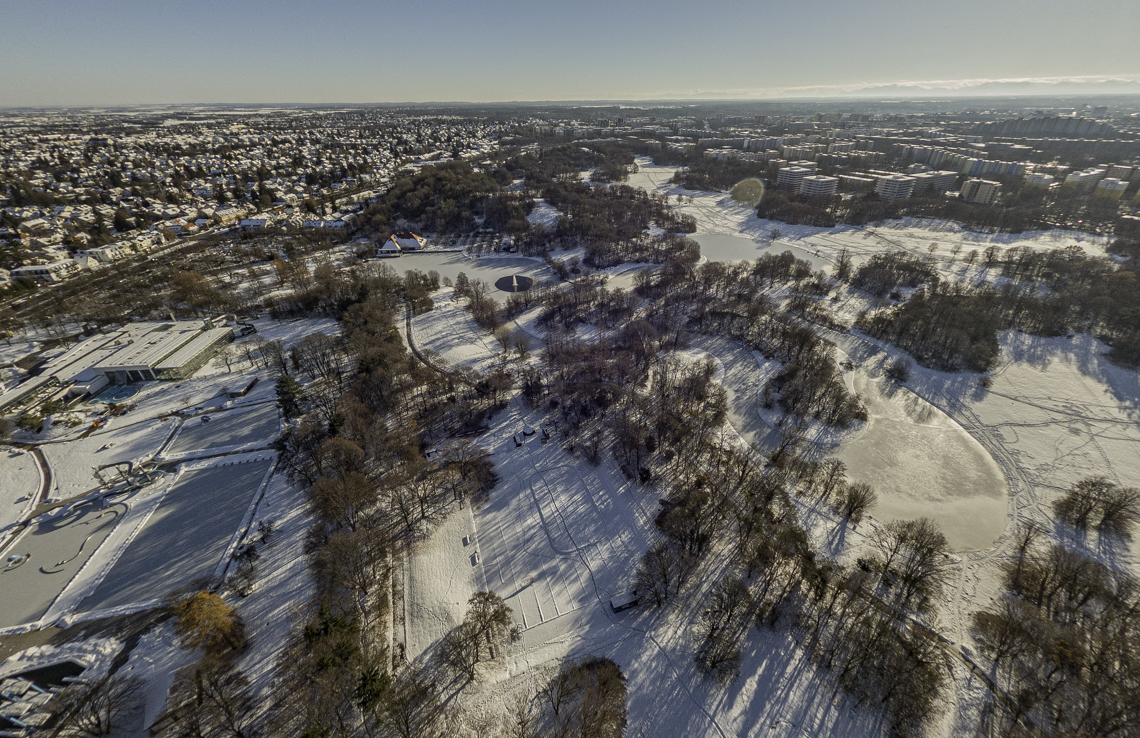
(894, 187)
(980, 191)
(816, 185)
(791, 178)
(1110, 187)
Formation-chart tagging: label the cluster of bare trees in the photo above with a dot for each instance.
(1061, 642)
(359, 453)
(585, 697)
(876, 653)
(612, 223)
(866, 624)
(484, 309)
(885, 273)
(953, 326)
(1113, 509)
(814, 388)
(210, 697)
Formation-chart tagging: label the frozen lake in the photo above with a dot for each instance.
(722, 247)
(487, 268)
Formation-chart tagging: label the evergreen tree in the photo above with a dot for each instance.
(289, 396)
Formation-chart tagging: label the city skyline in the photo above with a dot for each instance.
(125, 52)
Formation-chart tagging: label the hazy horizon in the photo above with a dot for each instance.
(126, 52)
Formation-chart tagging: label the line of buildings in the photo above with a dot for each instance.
(136, 352)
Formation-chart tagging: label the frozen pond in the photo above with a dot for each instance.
(722, 247)
(487, 268)
(56, 549)
(920, 462)
(923, 464)
(185, 537)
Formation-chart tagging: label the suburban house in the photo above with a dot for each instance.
(408, 241)
(389, 249)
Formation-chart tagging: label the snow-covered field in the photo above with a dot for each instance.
(20, 481)
(129, 438)
(558, 537)
(545, 215)
(241, 429)
(488, 268)
(184, 538)
(448, 332)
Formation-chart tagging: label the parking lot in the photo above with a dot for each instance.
(185, 538)
(228, 430)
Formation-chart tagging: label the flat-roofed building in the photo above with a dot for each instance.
(894, 187)
(791, 178)
(817, 185)
(980, 191)
(1110, 188)
(56, 271)
(150, 351)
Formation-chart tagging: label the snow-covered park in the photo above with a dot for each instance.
(557, 537)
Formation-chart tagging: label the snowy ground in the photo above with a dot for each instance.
(184, 538)
(242, 429)
(101, 560)
(130, 438)
(545, 215)
(488, 268)
(448, 332)
(718, 214)
(557, 539)
(20, 481)
(924, 464)
(56, 550)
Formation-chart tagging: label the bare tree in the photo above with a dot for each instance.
(489, 622)
(522, 345)
(411, 708)
(209, 698)
(662, 572)
(99, 707)
(586, 698)
(856, 500)
(720, 626)
(912, 555)
(502, 335)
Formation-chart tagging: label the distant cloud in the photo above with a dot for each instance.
(1104, 83)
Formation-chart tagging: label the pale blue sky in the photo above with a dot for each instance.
(108, 52)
